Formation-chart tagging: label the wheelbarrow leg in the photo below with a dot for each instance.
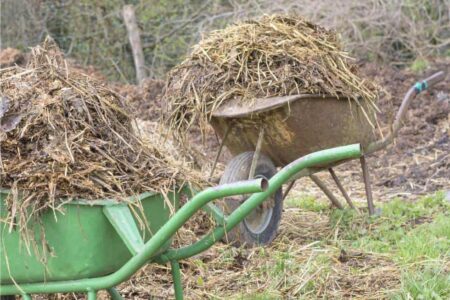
(114, 294)
(341, 188)
(256, 154)
(366, 177)
(222, 143)
(326, 191)
(92, 295)
(176, 277)
(288, 189)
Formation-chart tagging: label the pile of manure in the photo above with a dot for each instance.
(273, 56)
(67, 136)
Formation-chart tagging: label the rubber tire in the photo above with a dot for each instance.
(239, 169)
(7, 297)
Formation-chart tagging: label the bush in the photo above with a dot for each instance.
(92, 32)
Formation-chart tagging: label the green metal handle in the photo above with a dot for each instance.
(315, 159)
(149, 249)
(257, 186)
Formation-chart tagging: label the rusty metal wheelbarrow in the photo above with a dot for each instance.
(272, 132)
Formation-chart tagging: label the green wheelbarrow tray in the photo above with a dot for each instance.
(99, 245)
(82, 241)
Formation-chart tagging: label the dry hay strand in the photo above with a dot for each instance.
(303, 255)
(67, 136)
(301, 263)
(359, 275)
(272, 56)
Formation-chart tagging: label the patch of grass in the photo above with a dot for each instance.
(426, 242)
(419, 65)
(307, 202)
(379, 234)
(259, 296)
(339, 254)
(430, 283)
(416, 235)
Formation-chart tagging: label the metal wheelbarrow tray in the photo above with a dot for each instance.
(293, 126)
(272, 132)
(98, 245)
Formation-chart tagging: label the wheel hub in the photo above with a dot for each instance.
(258, 220)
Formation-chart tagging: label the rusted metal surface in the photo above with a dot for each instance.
(326, 191)
(288, 189)
(295, 126)
(367, 185)
(227, 131)
(251, 174)
(341, 188)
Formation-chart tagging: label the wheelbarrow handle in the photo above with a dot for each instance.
(150, 248)
(319, 158)
(435, 78)
(431, 81)
(416, 89)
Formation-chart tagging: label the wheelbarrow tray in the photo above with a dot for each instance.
(294, 125)
(80, 241)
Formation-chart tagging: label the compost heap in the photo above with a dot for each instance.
(67, 136)
(273, 56)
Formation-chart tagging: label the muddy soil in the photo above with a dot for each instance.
(419, 161)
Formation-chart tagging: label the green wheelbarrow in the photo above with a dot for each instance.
(96, 245)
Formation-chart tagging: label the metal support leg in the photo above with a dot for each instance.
(288, 189)
(176, 277)
(220, 151)
(114, 294)
(257, 153)
(326, 191)
(26, 297)
(367, 185)
(341, 188)
(92, 295)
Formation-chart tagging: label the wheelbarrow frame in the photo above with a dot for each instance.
(265, 105)
(260, 189)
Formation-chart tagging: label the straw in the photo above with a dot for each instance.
(67, 136)
(272, 56)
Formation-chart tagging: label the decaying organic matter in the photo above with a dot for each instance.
(67, 136)
(273, 56)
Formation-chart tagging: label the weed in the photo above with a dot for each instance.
(419, 65)
(307, 202)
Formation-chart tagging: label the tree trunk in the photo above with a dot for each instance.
(135, 41)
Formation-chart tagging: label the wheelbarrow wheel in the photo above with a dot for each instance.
(7, 297)
(261, 226)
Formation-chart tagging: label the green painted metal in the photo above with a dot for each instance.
(151, 248)
(215, 212)
(123, 222)
(315, 159)
(176, 277)
(82, 241)
(92, 295)
(114, 294)
(26, 297)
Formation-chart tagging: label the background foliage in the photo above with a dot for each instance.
(93, 32)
